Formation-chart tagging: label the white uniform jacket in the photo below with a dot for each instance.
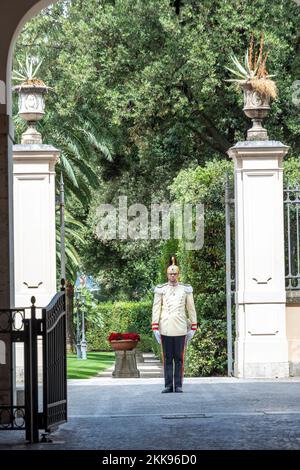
(173, 312)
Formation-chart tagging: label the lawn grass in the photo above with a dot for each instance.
(84, 369)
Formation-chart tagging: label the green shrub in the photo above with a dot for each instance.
(206, 353)
(119, 317)
(291, 173)
(145, 344)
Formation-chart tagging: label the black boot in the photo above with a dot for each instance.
(178, 389)
(167, 390)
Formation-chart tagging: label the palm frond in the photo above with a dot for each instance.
(89, 173)
(73, 255)
(97, 144)
(71, 267)
(75, 234)
(77, 191)
(65, 163)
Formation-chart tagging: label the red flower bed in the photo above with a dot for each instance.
(124, 336)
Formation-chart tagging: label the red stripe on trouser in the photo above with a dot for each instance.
(182, 358)
(162, 352)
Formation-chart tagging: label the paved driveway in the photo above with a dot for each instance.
(214, 413)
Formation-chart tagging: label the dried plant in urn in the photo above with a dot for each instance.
(258, 86)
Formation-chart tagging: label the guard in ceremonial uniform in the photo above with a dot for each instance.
(174, 323)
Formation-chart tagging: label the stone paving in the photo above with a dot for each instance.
(213, 413)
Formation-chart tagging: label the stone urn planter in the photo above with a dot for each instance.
(123, 344)
(256, 107)
(31, 108)
(31, 101)
(126, 364)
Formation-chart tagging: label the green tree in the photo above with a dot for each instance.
(151, 75)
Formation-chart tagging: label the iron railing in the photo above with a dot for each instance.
(230, 283)
(292, 237)
(12, 330)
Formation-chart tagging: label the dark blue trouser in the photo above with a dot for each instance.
(173, 358)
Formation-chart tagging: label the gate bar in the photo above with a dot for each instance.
(31, 377)
(228, 279)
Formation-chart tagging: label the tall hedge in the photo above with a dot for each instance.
(134, 317)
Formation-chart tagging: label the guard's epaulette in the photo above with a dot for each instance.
(158, 288)
(187, 288)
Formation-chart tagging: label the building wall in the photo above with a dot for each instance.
(293, 335)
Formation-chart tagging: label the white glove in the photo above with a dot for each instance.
(157, 336)
(190, 334)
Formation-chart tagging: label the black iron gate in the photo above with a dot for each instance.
(54, 361)
(51, 329)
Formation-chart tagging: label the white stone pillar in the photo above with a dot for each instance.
(261, 347)
(34, 223)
